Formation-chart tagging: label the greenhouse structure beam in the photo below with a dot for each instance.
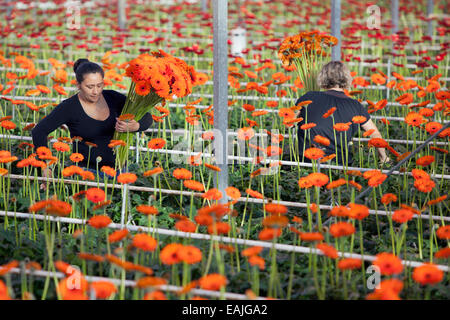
(394, 16)
(430, 7)
(336, 29)
(121, 13)
(220, 99)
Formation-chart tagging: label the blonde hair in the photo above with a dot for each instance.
(334, 74)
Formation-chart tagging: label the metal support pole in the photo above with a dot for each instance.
(430, 6)
(336, 29)
(394, 16)
(220, 53)
(204, 5)
(9, 9)
(122, 17)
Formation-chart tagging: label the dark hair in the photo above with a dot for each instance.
(84, 66)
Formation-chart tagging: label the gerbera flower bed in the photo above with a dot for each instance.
(286, 230)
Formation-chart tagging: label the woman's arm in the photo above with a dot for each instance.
(59, 116)
(369, 125)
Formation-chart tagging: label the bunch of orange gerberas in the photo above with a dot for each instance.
(306, 51)
(155, 78)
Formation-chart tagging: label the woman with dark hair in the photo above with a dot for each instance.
(91, 114)
(334, 77)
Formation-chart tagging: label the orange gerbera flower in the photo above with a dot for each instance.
(377, 179)
(126, 178)
(414, 119)
(90, 256)
(194, 185)
(101, 205)
(147, 210)
(144, 242)
(185, 225)
(169, 254)
(182, 174)
(276, 208)
(318, 179)
(444, 253)
(251, 251)
(116, 143)
(8, 125)
(328, 158)
(233, 193)
(378, 79)
(311, 236)
(389, 290)
(328, 250)
(58, 208)
(269, 233)
(103, 289)
(190, 254)
(43, 152)
(388, 198)
(156, 143)
(329, 112)
(424, 185)
(155, 295)
(402, 215)
(314, 153)
(443, 232)
(245, 133)
(248, 107)
(307, 126)
(257, 261)
(76, 157)
(339, 211)
(336, 183)
(437, 200)
(349, 264)
(342, 126)
(286, 113)
(213, 281)
(212, 194)
(214, 168)
(153, 172)
(433, 127)
(61, 146)
(305, 183)
(388, 263)
(95, 195)
(341, 229)
(358, 211)
(100, 221)
(425, 160)
(254, 194)
(6, 268)
(427, 273)
(275, 221)
(118, 235)
(108, 171)
(322, 140)
(150, 282)
(219, 228)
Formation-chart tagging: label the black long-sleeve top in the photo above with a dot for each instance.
(71, 113)
(346, 109)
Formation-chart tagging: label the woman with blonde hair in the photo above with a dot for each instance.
(334, 77)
